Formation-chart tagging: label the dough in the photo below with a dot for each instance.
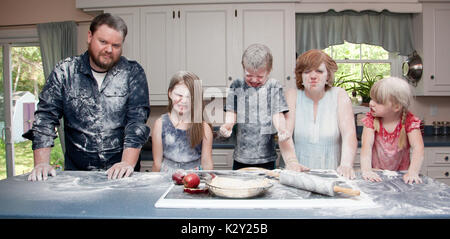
(236, 183)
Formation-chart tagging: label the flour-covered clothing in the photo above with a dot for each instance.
(177, 150)
(98, 121)
(254, 108)
(317, 142)
(385, 152)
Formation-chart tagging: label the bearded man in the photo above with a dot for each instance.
(104, 100)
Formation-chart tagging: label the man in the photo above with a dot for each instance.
(104, 100)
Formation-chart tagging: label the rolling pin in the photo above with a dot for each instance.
(312, 183)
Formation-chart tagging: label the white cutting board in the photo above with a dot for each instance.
(362, 201)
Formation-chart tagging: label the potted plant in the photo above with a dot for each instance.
(361, 88)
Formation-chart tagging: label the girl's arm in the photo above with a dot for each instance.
(287, 148)
(157, 148)
(207, 161)
(416, 142)
(367, 140)
(346, 122)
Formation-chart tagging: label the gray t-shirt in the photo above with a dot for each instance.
(254, 108)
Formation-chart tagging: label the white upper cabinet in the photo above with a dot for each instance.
(432, 40)
(132, 40)
(206, 43)
(207, 39)
(158, 41)
(274, 26)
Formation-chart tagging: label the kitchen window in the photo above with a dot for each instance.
(359, 62)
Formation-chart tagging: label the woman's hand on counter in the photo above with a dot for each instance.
(294, 165)
(346, 172)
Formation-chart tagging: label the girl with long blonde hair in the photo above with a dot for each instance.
(390, 131)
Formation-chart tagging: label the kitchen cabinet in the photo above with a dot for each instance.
(132, 41)
(146, 165)
(438, 163)
(223, 159)
(274, 26)
(207, 39)
(432, 43)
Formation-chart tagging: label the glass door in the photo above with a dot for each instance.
(26, 80)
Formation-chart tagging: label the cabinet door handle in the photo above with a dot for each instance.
(446, 174)
(173, 14)
(432, 77)
(178, 14)
(288, 78)
(446, 158)
(230, 78)
(235, 12)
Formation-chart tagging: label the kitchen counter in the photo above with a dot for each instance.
(78, 194)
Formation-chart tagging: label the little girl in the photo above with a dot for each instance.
(180, 138)
(390, 130)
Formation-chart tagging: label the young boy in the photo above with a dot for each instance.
(257, 104)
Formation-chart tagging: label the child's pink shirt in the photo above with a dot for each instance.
(385, 152)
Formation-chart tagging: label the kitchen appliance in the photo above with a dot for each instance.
(413, 68)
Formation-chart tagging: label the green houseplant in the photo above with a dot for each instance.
(361, 88)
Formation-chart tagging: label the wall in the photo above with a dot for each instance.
(34, 11)
(17, 12)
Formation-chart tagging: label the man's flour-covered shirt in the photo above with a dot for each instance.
(95, 121)
(254, 108)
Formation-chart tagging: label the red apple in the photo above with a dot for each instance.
(178, 176)
(191, 180)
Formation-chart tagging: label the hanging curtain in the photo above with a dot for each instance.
(392, 31)
(58, 40)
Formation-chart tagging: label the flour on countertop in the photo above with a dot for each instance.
(390, 174)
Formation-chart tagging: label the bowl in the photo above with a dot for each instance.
(238, 187)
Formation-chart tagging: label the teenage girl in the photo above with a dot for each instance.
(181, 139)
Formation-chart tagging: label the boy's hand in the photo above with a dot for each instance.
(225, 131)
(371, 176)
(410, 178)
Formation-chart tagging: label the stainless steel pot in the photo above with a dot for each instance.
(413, 68)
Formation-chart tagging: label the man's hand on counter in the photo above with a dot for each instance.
(126, 167)
(42, 167)
(41, 171)
(120, 170)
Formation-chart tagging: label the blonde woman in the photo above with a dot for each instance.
(181, 139)
(390, 130)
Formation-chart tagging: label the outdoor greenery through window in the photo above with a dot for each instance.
(27, 81)
(359, 66)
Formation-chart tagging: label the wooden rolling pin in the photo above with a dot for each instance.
(311, 183)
